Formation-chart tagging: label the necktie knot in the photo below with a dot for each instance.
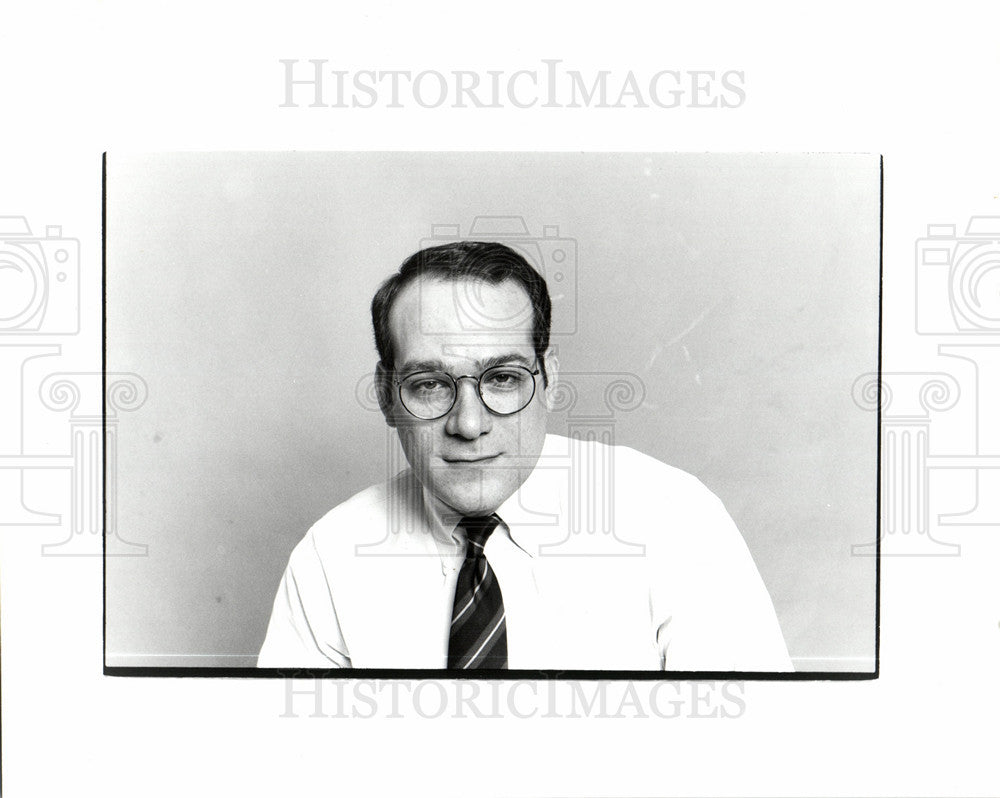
(477, 531)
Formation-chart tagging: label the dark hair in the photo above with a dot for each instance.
(492, 262)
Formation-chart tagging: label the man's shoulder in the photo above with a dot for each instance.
(365, 515)
(648, 501)
(628, 468)
(645, 492)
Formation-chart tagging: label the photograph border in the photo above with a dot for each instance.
(484, 674)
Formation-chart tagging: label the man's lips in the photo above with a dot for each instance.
(474, 459)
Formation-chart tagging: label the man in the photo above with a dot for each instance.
(475, 557)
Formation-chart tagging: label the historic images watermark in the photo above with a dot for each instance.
(591, 401)
(314, 83)
(942, 426)
(522, 699)
(44, 482)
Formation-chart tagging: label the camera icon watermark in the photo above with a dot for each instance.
(958, 278)
(551, 254)
(39, 280)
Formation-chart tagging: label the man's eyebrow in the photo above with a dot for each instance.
(413, 366)
(503, 360)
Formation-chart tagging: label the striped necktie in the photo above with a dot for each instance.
(478, 622)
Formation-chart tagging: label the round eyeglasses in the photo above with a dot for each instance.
(430, 395)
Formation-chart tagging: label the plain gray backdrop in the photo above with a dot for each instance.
(741, 289)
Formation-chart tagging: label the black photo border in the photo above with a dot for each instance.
(510, 675)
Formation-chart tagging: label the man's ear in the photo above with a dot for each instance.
(383, 388)
(552, 373)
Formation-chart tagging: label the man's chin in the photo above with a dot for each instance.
(473, 502)
(466, 507)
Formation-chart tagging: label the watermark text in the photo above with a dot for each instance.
(315, 83)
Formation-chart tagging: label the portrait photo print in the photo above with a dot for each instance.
(493, 413)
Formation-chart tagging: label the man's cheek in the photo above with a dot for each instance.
(417, 441)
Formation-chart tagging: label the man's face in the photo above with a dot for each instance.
(471, 459)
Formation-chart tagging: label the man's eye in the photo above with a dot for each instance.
(504, 379)
(428, 386)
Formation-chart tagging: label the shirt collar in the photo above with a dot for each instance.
(536, 514)
(442, 521)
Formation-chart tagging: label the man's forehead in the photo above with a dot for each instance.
(460, 319)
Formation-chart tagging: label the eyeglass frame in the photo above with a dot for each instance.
(479, 388)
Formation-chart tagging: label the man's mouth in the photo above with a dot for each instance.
(474, 459)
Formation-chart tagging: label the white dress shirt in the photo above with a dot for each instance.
(607, 560)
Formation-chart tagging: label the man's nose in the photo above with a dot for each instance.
(469, 418)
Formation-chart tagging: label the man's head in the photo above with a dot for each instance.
(460, 310)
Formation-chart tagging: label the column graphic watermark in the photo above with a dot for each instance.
(909, 402)
(93, 437)
(593, 402)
